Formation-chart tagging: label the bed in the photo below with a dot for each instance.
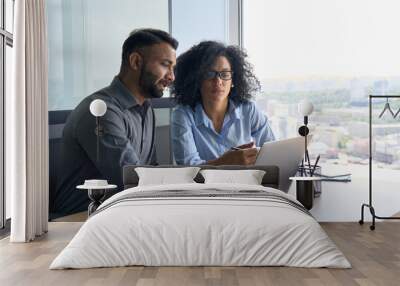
(201, 224)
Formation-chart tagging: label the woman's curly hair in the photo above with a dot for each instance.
(192, 65)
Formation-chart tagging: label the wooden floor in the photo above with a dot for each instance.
(374, 255)
(78, 217)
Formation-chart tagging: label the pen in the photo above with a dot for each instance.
(315, 166)
(308, 161)
(335, 176)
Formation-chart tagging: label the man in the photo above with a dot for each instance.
(148, 60)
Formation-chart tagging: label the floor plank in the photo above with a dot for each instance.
(375, 257)
(77, 217)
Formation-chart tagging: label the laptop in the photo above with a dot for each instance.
(286, 154)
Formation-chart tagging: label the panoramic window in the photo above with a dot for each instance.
(190, 26)
(335, 53)
(85, 49)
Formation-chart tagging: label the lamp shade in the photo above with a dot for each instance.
(98, 107)
(305, 107)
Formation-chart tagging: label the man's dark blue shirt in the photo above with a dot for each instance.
(128, 138)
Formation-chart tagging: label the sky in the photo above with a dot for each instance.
(302, 38)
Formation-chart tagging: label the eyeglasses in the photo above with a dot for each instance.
(224, 75)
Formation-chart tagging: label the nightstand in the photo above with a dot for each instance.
(96, 195)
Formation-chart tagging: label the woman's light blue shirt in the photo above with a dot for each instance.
(195, 141)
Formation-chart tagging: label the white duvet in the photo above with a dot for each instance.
(183, 231)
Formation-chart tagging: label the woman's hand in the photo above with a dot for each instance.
(242, 156)
(247, 145)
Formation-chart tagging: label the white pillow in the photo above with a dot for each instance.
(163, 176)
(248, 177)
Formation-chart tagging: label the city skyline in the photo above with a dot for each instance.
(340, 120)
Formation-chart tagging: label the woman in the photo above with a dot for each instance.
(213, 87)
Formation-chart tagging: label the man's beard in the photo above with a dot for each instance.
(147, 82)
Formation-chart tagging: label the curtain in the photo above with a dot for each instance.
(27, 124)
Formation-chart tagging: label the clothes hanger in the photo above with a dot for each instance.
(397, 113)
(387, 107)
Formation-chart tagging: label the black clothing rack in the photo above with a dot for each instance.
(369, 205)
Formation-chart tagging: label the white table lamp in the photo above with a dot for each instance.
(98, 108)
(305, 108)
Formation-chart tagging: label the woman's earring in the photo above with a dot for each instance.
(232, 86)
